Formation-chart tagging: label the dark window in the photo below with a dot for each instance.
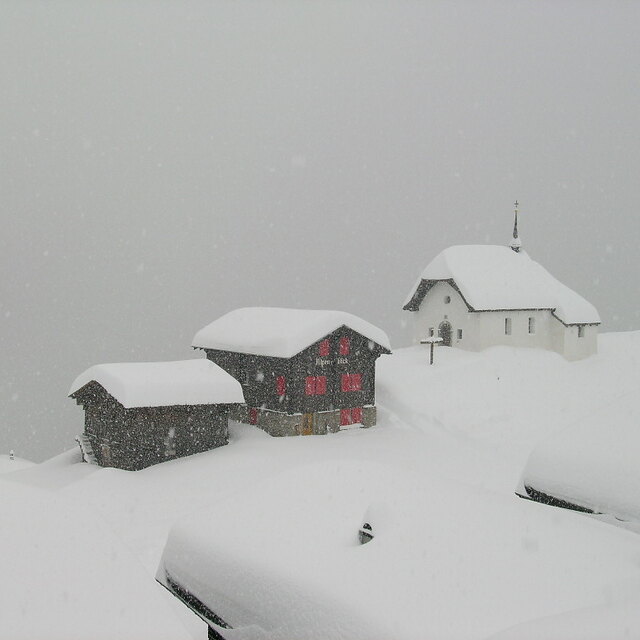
(447, 299)
(532, 325)
(323, 349)
(253, 416)
(581, 332)
(507, 326)
(344, 346)
(459, 334)
(281, 385)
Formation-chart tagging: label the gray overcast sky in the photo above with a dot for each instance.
(164, 162)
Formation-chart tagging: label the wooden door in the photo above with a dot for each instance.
(105, 451)
(444, 331)
(307, 424)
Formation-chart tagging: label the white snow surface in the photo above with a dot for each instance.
(7, 465)
(496, 277)
(435, 477)
(277, 332)
(593, 463)
(157, 384)
(285, 557)
(65, 576)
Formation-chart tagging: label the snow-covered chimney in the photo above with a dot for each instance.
(515, 243)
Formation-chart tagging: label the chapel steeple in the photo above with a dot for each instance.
(515, 243)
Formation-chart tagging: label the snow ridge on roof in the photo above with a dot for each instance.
(163, 384)
(280, 333)
(494, 277)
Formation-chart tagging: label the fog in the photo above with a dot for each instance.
(162, 163)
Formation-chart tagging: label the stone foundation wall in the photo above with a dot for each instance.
(282, 424)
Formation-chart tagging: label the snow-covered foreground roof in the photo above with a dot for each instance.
(495, 277)
(66, 577)
(593, 463)
(447, 560)
(158, 384)
(282, 333)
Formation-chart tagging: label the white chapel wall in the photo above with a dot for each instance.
(434, 309)
(481, 330)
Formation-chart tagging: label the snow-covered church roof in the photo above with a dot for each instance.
(280, 333)
(493, 277)
(163, 384)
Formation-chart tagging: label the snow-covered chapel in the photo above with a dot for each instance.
(478, 296)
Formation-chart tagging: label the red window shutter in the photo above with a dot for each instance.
(345, 384)
(310, 386)
(321, 385)
(356, 415)
(323, 349)
(281, 385)
(253, 416)
(345, 417)
(356, 382)
(344, 346)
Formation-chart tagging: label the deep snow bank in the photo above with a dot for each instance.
(65, 577)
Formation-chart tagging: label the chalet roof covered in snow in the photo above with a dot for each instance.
(280, 333)
(161, 384)
(593, 462)
(494, 277)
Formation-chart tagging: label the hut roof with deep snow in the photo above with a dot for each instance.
(280, 333)
(161, 384)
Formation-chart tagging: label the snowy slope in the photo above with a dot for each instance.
(7, 465)
(65, 576)
(449, 449)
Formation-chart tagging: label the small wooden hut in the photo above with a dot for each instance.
(141, 413)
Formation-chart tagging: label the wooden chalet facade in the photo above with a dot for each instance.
(310, 385)
(140, 414)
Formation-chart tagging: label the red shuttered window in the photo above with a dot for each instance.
(351, 382)
(324, 348)
(344, 346)
(315, 385)
(281, 385)
(253, 416)
(310, 386)
(350, 416)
